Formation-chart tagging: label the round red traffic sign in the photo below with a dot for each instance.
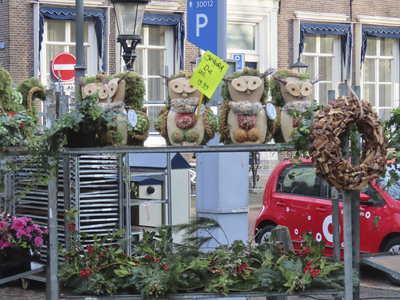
(65, 64)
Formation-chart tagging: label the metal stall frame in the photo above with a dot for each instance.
(52, 287)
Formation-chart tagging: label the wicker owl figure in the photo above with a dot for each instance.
(243, 118)
(295, 91)
(177, 122)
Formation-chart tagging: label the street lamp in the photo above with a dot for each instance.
(301, 67)
(129, 15)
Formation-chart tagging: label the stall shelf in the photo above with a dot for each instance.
(52, 291)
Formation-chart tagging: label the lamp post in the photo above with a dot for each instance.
(301, 67)
(129, 15)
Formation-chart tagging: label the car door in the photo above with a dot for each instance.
(323, 218)
(296, 192)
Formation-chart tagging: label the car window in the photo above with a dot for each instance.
(298, 180)
(394, 189)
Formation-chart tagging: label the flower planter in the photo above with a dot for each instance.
(15, 262)
(81, 139)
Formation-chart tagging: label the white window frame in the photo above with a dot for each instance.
(336, 66)
(364, 20)
(320, 17)
(264, 16)
(250, 55)
(91, 68)
(394, 83)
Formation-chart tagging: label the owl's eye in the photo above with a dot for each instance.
(239, 84)
(113, 87)
(189, 88)
(293, 89)
(306, 89)
(176, 86)
(254, 83)
(103, 91)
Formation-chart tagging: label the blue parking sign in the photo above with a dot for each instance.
(202, 24)
(240, 61)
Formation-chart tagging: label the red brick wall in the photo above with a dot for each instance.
(21, 40)
(384, 8)
(4, 35)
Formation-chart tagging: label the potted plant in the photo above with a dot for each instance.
(80, 125)
(19, 235)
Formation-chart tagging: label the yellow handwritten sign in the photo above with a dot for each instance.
(208, 74)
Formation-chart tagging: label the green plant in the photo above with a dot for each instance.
(90, 269)
(302, 137)
(159, 268)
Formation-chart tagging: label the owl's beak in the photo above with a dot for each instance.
(248, 92)
(184, 94)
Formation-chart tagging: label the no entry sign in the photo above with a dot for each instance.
(65, 63)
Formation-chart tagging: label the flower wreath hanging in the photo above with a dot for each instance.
(337, 117)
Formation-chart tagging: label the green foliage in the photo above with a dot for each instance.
(158, 268)
(302, 136)
(5, 93)
(88, 117)
(134, 90)
(25, 86)
(246, 72)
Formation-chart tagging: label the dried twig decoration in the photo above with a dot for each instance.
(337, 117)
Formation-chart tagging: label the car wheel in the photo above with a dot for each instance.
(264, 233)
(391, 246)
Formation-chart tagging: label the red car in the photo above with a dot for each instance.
(298, 198)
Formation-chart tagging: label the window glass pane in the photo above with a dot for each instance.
(369, 93)
(72, 50)
(385, 70)
(323, 92)
(157, 35)
(326, 43)
(300, 181)
(85, 31)
(152, 112)
(156, 62)
(384, 114)
(385, 95)
(310, 43)
(241, 37)
(310, 62)
(155, 89)
(371, 46)
(55, 30)
(138, 64)
(325, 67)
(52, 51)
(369, 70)
(386, 47)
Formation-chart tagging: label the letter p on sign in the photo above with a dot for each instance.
(200, 25)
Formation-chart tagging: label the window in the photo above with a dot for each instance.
(154, 56)
(298, 180)
(379, 74)
(241, 38)
(59, 36)
(322, 55)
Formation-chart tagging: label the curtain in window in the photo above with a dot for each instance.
(179, 28)
(377, 32)
(62, 13)
(332, 29)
